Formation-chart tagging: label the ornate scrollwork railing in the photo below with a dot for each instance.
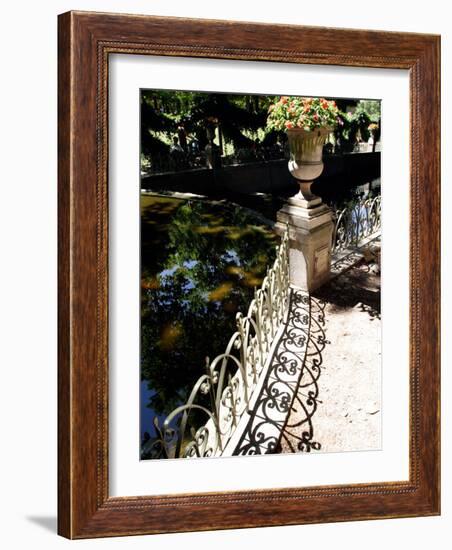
(206, 422)
(356, 222)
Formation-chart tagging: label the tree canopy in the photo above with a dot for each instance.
(237, 117)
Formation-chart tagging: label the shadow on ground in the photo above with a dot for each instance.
(49, 523)
(358, 286)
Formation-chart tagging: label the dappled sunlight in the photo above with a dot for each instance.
(221, 292)
(252, 281)
(249, 278)
(169, 336)
(205, 230)
(235, 235)
(234, 270)
(151, 283)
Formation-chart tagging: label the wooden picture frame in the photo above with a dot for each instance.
(86, 40)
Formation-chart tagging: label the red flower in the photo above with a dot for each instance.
(316, 117)
(289, 125)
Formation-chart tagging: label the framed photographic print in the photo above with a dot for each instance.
(248, 274)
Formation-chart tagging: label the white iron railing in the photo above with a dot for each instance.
(356, 222)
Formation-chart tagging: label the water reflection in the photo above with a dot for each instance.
(200, 263)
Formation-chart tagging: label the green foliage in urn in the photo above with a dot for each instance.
(308, 113)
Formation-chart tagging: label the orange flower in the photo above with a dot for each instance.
(289, 125)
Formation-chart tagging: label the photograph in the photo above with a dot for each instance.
(236, 287)
(260, 290)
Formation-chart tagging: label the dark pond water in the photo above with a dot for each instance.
(200, 263)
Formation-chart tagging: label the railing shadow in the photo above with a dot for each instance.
(298, 434)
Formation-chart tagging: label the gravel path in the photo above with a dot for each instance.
(348, 417)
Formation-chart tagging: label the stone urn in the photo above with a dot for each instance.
(305, 164)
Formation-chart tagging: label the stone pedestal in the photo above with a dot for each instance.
(310, 233)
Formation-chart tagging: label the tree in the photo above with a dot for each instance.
(355, 123)
(162, 111)
(153, 120)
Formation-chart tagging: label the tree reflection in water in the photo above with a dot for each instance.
(200, 263)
